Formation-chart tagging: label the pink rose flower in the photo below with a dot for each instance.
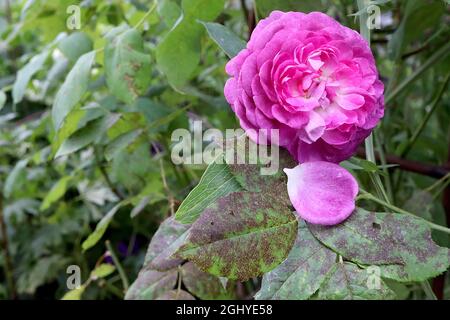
(310, 77)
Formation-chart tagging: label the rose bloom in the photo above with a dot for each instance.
(310, 77)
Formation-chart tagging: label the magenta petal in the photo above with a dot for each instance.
(322, 192)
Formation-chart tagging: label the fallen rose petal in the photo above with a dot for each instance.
(322, 192)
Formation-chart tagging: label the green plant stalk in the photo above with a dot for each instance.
(431, 61)
(146, 15)
(370, 153)
(434, 104)
(116, 261)
(368, 196)
(428, 290)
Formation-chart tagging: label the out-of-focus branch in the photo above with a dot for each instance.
(426, 169)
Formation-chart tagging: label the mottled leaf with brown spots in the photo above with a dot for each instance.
(401, 243)
(165, 242)
(150, 284)
(347, 281)
(302, 273)
(240, 236)
(204, 285)
(176, 295)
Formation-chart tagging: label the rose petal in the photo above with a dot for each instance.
(322, 192)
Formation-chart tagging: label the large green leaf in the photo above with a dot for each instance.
(178, 54)
(127, 66)
(26, 73)
(402, 244)
(225, 38)
(216, 182)
(16, 178)
(241, 235)
(73, 89)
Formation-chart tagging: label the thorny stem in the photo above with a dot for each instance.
(123, 275)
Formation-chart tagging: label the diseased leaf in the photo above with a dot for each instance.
(176, 295)
(151, 284)
(302, 273)
(241, 235)
(165, 242)
(402, 244)
(348, 282)
(73, 89)
(25, 74)
(203, 285)
(127, 66)
(216, 182)
(225, 38)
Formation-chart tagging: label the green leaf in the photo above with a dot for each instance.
(58, 190)
(151, 284)
(225, 38)
(400, 243)
(74, 294)
(92, 132)
(182, 43)
(75, 45)
(302, 273)
(2, 99)
(349, 282)
(216, 182)
(241, 235)
(127, 66)
(73, 89)
(121, 142)
(15, 179)
(26, 73)
(267, 6)
(101, 227)
(102, 271)
(165, 242)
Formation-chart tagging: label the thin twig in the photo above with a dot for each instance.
(105, 175)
